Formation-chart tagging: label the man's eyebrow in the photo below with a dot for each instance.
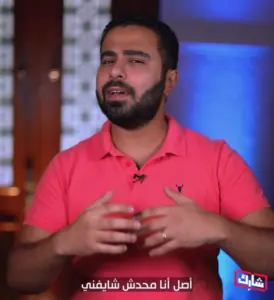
(137, 53)
(107, 53)
(111, 53)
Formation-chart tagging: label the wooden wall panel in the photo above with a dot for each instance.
(37, 101)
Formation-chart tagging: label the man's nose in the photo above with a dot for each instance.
(117, 71)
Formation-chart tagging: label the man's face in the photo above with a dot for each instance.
(130, 80)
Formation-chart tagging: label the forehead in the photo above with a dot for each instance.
(131, 37)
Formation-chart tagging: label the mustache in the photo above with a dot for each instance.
(119, 83)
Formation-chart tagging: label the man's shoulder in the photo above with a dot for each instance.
(215, 153)
(80, 151)
(83, 145)
(198, 142)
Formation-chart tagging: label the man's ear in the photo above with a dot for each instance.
(171, 80)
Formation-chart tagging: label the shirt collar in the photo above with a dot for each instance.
(175, 141)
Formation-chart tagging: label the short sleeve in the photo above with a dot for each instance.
(48, 209)
(240, 191)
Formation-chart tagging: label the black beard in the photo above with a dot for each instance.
(136, 115)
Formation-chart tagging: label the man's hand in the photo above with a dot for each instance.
(185, 225)
(94, 232)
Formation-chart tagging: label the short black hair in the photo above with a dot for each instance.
(168, 41)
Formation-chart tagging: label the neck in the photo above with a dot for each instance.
(142, 143)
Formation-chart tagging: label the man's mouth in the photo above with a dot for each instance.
(116, 91)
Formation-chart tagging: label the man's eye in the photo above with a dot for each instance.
(107, 62)
(137, 61)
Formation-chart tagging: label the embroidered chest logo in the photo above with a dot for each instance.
(179, 187)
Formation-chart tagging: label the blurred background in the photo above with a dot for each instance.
(49, 53)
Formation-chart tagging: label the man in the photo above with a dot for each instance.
(144, 197)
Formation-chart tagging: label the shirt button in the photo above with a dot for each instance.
(128, 164)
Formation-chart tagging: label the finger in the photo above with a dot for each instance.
(116, 237)
(154, 211)
(111, 249)
(177, 197)
(137, 215)
(109, 208)
(153, 225)
(102, 200)
(119, 224)
(156, 239)
(164, 249)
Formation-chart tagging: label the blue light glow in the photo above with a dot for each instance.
(222, 86)
(213, 10)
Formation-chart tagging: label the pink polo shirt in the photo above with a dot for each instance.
(212, 174)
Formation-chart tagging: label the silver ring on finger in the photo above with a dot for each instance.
(164, 236)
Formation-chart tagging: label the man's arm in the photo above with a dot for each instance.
(248, 220)
(250, 242)
(32, 264)
(34, 254)
(38, 258)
